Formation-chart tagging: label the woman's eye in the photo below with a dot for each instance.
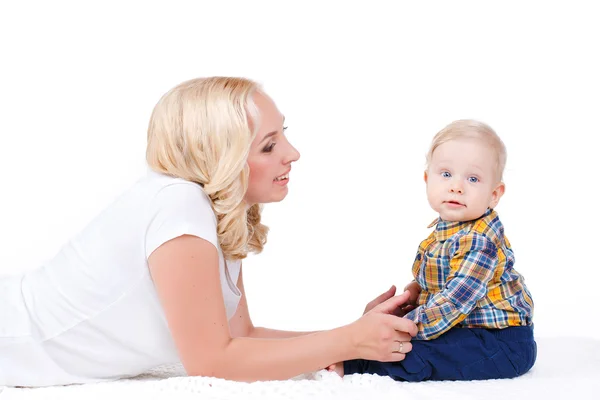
(473, 179)
(269, 148)
(446, 174)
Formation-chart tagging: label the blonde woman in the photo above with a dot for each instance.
(156, 278)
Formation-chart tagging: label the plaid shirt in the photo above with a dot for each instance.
(465, 270)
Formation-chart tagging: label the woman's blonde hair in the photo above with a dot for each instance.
(469, 128)
(201, 131)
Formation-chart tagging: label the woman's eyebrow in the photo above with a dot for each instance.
(268, 135)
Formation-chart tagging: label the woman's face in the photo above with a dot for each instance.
(271, 156)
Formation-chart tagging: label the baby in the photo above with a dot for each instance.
(472, 307)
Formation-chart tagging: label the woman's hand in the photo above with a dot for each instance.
(382, 336)
(380, 299)
(414, 289)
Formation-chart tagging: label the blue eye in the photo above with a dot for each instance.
(473, 179)
(446, 174)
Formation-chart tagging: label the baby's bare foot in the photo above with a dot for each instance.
(338, 368)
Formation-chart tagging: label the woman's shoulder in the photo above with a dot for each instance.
(177, 207)
(165, 190)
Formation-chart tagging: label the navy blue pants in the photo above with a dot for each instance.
(460, 354)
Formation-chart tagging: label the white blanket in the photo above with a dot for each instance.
(566, 368)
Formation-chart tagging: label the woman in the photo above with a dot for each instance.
(156, 278)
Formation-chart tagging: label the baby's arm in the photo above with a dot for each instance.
(471, 268)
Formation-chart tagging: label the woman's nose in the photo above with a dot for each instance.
(292, 154)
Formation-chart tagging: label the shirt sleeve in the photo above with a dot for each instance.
(471, 268)
(180, 209)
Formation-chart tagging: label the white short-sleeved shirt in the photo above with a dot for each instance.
(92, 312)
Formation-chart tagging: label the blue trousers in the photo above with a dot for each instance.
(460, 354)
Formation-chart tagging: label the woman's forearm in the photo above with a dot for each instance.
(266, 333)
(252, 359)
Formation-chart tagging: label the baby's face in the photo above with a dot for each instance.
(462, 180)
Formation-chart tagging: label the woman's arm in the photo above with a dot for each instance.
(268, 333)
(241, 323)
(185, 271)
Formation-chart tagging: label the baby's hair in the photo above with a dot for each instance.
(469, 128)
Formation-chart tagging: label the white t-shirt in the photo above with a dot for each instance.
(92, 312)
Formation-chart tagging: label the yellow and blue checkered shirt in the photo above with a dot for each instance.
(467, 279)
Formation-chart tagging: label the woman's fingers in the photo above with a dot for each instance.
(384, 296)
(399, 346)
(403, 337)
(404, 325)
(398, 350)
(403, 310)
(390, 305)
(381, 298)
(382, 336)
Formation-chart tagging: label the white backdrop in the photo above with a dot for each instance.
(363, 87)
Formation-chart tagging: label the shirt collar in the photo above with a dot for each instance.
(445, 229)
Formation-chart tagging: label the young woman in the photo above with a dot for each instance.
(156, 277)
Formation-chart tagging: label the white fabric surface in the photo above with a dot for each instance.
(566, 368)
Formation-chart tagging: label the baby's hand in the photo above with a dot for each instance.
(337, 368)
(414, 289)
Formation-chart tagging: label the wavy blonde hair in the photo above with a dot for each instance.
(201, 131)
(470, 128)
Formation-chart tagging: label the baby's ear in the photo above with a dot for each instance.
(497, 194)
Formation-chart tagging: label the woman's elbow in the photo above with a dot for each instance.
(208, 364)
(206, 369)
